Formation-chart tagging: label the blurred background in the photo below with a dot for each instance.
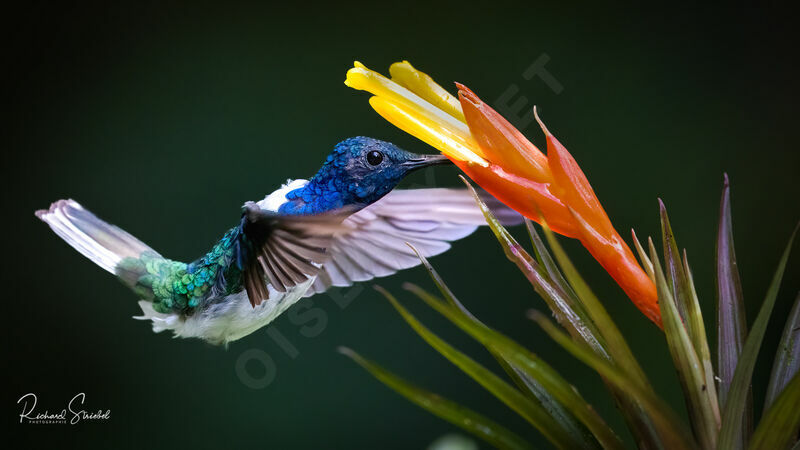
(164, 117)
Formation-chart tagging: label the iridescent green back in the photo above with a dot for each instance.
(175, 286)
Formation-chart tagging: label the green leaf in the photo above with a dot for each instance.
(692, 357)
(680, 280)
(672, 262)
(468, 420)
(617, 346)
(670, 430)
(703, 411)
(638, 421)
(549, 283)
(779, 426)
(731, 323)
(733, 412)
(528, 385)
(533, 412)
(701, 346)
(521, 358)
(648, 265)
(545, 278)
(787, 358)
(547, 262)
(534, 390)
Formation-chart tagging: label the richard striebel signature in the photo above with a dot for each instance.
(72, 414)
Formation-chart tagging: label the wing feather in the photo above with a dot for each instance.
(374, 243)
(286, 250)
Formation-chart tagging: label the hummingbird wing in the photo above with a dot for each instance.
(374, 242)
(284, 250)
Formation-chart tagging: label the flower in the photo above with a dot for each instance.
(499, 158)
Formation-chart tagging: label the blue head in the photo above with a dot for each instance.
(358, 172)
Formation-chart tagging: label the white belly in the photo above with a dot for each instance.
(227, 319)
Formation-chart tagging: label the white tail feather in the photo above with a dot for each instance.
(105, 244)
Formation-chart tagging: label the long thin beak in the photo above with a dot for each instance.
(424, 161)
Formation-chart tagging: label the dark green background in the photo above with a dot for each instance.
(165, 117)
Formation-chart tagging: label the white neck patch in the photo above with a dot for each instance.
(274, 200)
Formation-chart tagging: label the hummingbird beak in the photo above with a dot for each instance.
(424, 161)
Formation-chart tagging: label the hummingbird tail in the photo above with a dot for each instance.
(105, 244)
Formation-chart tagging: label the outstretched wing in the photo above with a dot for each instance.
(374, 242)
(283, 250)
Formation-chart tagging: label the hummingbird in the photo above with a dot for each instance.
(346, 224)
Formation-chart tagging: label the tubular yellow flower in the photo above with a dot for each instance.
(500, 159)
(451, 142)
(416, 116)
(404, 74)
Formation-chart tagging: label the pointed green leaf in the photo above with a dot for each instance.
(733, 411)
(536, 392)
(522, 359)
(617, 346)
(701, 344)
(681, 286)
(670, 430)
(533, 412)
(787, 358)
(703, 413)
(528, 385)
(547, 262)
(672, 264)
(550, 284)
(567, 309)
(638, 421)
(468, 420)
(731, 323)
(648, 265)
(779, 426)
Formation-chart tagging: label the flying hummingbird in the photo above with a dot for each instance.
(344, 225)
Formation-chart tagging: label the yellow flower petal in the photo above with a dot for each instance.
(452, 142)
(415, 115)
(423, 85)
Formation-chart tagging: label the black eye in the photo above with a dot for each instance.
(374, 157)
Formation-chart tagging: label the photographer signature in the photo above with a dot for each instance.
(72, 414)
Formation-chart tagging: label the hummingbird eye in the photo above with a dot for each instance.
(374, 157)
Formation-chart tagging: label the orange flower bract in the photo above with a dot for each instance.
(565, 200)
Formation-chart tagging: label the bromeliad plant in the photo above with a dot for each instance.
(553, 191)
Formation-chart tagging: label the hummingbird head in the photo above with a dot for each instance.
(358, 172)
